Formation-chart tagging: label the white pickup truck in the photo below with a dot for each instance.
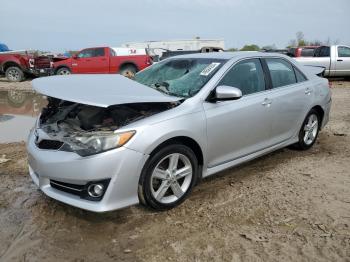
(335, 59)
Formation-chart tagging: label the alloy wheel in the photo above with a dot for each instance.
(171, 178)
(310, 129)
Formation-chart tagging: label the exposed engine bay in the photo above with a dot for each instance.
(82, 126)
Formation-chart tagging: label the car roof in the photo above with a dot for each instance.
(230, 55)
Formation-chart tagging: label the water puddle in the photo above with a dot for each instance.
(18, 112)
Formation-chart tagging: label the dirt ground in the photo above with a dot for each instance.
(5, 85)
(286, 206)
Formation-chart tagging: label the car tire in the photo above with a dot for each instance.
(14, 74)
(63, 71)
(128, 71)
(309, 131)
(162, 186)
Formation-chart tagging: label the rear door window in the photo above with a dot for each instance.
(99, 52)
(307, 52)
(343, 51)
(281, 71)
(93, 52)
(246, 75)
(86, 53)
(323, 51)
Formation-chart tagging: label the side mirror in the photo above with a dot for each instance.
(75, 56)
(227, 93)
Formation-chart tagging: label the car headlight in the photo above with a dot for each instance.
(90, 144)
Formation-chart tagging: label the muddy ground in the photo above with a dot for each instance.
(286, 206)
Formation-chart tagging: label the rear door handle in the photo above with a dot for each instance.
(267, 102)
(340, 60)
(307, 91)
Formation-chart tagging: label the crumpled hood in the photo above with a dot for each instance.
(99, 90)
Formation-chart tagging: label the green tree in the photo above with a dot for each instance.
(232, 49)
(250, 48)
(292, 43)
(301, 39)
(269, 47)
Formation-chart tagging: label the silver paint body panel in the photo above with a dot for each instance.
(228, 133)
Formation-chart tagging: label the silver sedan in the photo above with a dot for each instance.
(105, 142)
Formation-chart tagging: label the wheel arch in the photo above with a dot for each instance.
(320, 111)
(5, 65)
(62, 66)
(184, 140)
(127, 63)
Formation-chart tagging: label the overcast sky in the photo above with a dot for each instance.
(75, 24)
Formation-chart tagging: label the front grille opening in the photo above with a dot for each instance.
(68, 188)
(50, 144)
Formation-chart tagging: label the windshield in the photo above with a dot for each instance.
(182, 77)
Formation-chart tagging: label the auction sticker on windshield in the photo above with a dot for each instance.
(210, 68)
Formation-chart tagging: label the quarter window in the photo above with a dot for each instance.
(112, 52)
(247, 75)
(343, 51)
(300, 77)
(99, 52)
(282, 73)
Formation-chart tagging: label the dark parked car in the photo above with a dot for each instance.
(302, 51)
(3, 48)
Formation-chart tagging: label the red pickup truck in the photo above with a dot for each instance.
(101, 60)
(15, 65)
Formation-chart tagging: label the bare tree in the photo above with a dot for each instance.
(269, 47)
(301, 39)
(292, 43)
(300, 36)
(336, 42)
(316, 43)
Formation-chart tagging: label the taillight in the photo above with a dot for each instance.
(31, 62)
(329, 84)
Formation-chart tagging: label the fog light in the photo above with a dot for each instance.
(95, 190)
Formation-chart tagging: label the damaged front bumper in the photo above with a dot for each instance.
(40, 71)
(121, 167)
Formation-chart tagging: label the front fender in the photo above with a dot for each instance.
(191, 125)
(16, 61)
